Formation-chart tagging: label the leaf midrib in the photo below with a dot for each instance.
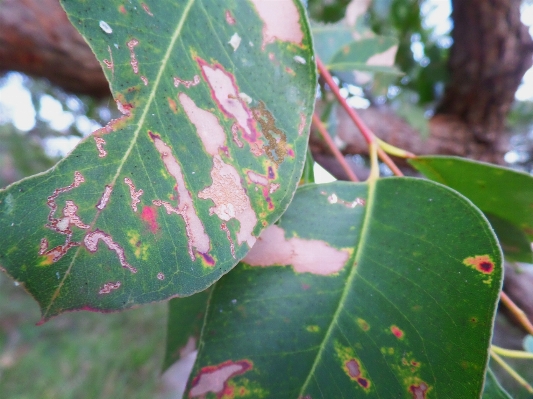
(349, 281)
(140, 125)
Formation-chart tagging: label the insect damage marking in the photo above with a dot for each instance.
(187, 83)
(224, 227)
(225, 92)
(305, 256)
(229, 18)
(145, 80)
(100, 146)
(419, 391)
(284, 26)
(133, 194)
(108, 287)
(207, 126)
(146, 9)
(215, 378)
(133, 60)
(160, 276)
(105, 198)
(231, 200)
(62, 225)
(91, 243)
(196, 235)
(276, 149)
(235, 41)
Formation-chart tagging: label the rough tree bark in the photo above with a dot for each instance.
(36, 38)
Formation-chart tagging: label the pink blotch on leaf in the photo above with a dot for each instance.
(215, 378)
(149, 216)
(311, 256)
(354, 371)
(419, 391)
(397, 332)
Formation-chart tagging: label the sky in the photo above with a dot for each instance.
(16, 105)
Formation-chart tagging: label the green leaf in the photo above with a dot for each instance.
(388, 291)
(216, 99)
(493, 389)
(514, 242)
(343, 50)
(497, 191)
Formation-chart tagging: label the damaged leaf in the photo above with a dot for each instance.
(392, 289)
(216, 99)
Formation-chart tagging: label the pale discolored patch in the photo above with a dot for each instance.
(133, 194)
(133, 59)
(187, 83)
(224, 228)
(100, 142)
(226, 94)
(207, 126)
(145, 80)
(257, 178)
(105, 198)
(196, 235)
(419, 391)
(305, 256)
(108, 287)
(214, 378)
(284, 26)
(231, 200)
(276, 149)
(235, 41)
(91, 243)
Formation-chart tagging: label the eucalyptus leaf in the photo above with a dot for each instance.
(388, 291)
(216, 100)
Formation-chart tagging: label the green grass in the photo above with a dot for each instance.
(79, 354)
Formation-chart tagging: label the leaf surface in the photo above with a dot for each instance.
(388, 291)
(216, 100)
(499, 192)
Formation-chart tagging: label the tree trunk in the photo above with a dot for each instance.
(36, 38)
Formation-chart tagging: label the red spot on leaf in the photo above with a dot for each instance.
(482, 263)
(149, 215)
(397, 332)
(172, 105)
(419, 391)
(122, 9)
(306, 286)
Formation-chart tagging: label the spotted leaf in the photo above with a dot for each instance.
(216, 100)
(389, 291)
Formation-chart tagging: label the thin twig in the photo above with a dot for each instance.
(329, 141)
(512, 353)
(365, 131)
(511, 371)
(389, 162)
(517, 312)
